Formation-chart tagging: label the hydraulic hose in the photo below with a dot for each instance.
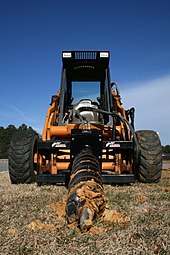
(114, 114)
(80, 117)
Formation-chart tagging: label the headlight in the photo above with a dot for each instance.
(66, 54)
(104, 54)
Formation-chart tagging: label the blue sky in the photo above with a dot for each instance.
(33, 34)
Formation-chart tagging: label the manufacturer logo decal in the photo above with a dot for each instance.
(58, 144)
(112, 144)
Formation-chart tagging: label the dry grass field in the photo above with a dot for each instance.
(32, 221)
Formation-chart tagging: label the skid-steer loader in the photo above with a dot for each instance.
(88, 136)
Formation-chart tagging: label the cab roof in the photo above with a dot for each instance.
(85, 65)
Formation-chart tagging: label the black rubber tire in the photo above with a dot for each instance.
(22, 148)
(150, 156)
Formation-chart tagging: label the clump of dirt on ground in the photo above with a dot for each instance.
(32, 221)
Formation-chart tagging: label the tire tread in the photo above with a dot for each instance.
(150, 159)
(21, 156)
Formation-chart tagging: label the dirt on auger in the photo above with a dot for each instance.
(86, 199)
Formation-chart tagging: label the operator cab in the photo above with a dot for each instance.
(85, 83)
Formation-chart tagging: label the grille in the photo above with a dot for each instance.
(85, 55)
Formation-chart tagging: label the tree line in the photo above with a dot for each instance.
(166, 149)
(7, 133)
(5, 138)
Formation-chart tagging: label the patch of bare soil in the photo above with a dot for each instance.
(32, 221)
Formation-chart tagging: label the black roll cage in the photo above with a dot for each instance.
(85, 66)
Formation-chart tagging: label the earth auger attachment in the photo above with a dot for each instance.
(86, 199)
